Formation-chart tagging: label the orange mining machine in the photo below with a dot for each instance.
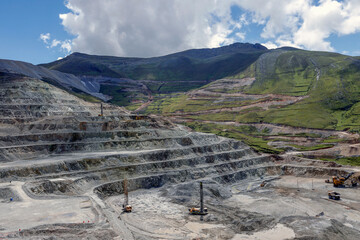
(339, 181)
(201, 210)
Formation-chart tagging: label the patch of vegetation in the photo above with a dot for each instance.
(247, 73)
(303, 114)
(120, 96)
(312, 148)
(285, 134)
(303, 134)
(154, 86)
(352, 161)
(241, 133)
(165, 104)
(278, 139)
(218, 117)
(308, 134)
(133, 107)
(349, 119)
(87, 97)
(333, 139)
(170, 87)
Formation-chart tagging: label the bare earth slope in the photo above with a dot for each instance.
(65, 80)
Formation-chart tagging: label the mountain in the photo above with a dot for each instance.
(64, 80)
(133, 81)
(196, 64)
(288, 99)
(283, 86)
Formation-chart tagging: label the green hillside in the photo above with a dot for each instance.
(328, 82)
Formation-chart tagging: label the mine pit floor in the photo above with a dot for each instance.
(155, 217)
(298, 207)
(28, 212)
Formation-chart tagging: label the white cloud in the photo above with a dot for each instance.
(55, 43)
(278, 16)
(301, 23)
(240, 35)
(270, 45)
(45, 37)
(329, 17)
(157, 27)
(147, 27)
(64, 45)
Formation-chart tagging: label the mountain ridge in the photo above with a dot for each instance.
(190, 62)
(177, 72)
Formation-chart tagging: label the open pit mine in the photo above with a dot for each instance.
(65, 164)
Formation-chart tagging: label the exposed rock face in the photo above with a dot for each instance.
(48, 133)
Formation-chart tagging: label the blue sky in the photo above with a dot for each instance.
(157, 27)
(22, 22)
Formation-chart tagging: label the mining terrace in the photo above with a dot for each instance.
(62, 169)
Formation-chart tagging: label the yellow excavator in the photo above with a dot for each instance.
(201, 210)
(339, 181)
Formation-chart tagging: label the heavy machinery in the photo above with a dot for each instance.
(201, 210)
(102, 111)
(334, 195)
(339, 181)
(126, 206)
(139, 117)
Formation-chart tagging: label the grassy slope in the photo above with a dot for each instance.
(352, 161)
(332, 101)
(258, 140)
(247, 134)
(332, 98)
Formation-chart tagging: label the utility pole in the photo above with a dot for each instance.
(201, 199)
(126, 193)
(297, 183)
(312, 184)
(126, 206)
